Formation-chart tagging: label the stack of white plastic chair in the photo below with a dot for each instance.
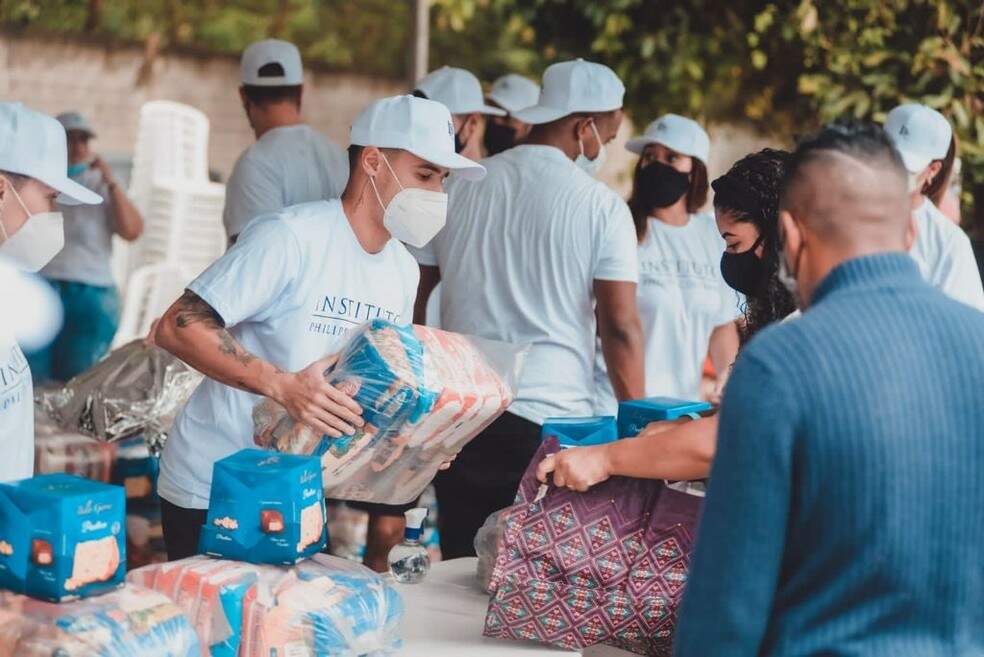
(182, 212)
(152, 289)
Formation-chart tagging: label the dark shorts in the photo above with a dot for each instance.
(375, 509)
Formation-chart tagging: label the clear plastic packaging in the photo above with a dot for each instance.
(487, 541)
(424, 393)
(136, 389)
(325, 606)
(128, 622)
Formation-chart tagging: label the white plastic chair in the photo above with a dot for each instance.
(151, 291)
(172, 142)
(183, 224)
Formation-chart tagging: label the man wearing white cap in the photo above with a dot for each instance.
(290, 162)
(534, 254)
(924, 139)
(33, 180)
(512, 93)
(461, 92)
(260, 320)
(81, 272)
(687, 309)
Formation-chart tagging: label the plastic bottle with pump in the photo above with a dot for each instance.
(409, 562)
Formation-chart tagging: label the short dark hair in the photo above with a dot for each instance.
(862, 140)
(259, 95)
(354, 153)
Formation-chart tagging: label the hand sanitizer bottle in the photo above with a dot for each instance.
(409, 561)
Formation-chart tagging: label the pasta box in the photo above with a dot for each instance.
(61, 537)
(633, 416)
(265, 507)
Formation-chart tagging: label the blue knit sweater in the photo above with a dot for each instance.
(845, 514)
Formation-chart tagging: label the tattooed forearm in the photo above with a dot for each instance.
(192, 309)
(230, 347)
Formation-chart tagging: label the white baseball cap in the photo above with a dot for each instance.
(676, 132)
(33, 144)
(920, 135)
(420, 126)
(575, 86)
(272, 51)
(514, 92)
(75, 121)
(459, 90)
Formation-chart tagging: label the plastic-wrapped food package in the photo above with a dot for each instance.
(61, 537)
(322, 607)
(487, 541)
(135, 468)
(265, 508)
(424, 393)
(125, 623)
(69, 452)
(136, 389)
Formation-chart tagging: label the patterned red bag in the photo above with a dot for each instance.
(607, 566)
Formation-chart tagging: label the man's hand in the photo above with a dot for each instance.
(577, 468)
(107, 174)
(310, 399)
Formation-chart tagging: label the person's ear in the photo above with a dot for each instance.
(911, 232)
(371, 160)
(932, 171)
(790, 236)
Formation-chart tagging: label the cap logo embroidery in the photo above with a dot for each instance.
(903, 131)
(450, 129)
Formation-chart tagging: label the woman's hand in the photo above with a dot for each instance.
(577, 468)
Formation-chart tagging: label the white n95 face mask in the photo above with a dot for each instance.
(414, 215)
(592, 167)
(36, 242)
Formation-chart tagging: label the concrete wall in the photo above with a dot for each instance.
(110, 85)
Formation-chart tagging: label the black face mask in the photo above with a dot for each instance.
(660, 185)
(499, 137)
(743, 271)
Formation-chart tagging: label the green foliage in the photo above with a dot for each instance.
(783, 66)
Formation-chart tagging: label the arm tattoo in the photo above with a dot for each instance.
(192, 309)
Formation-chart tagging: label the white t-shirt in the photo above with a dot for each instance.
(518, 259)
(286, 166)
(682, 299)
(945, 256)
(290, 289)
(89, 229)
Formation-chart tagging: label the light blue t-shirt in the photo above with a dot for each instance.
(290, 290)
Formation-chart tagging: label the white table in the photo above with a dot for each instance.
(444, 616)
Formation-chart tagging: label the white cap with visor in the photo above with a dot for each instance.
(574, 86)
(33, 144)
(272, 51)
(459, 90)
(683, 135)
(920, 135)
(514, 92)
(417, 125)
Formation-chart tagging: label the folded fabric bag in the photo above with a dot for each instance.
(603, 567)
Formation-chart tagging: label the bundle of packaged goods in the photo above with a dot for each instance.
(424, 393)
(58, 451)
(136, 389)
(125, 623)
(61, 537)
(324, 606)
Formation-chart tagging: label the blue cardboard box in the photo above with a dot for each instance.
(580, 431)
(633, 416)
(265, 507)
(61, 537)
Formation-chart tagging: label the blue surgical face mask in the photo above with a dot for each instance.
(76, 170)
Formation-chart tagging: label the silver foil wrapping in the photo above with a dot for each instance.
(136, 389)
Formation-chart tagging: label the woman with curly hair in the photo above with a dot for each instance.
(746, 207)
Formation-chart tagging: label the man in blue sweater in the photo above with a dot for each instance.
(845, 514)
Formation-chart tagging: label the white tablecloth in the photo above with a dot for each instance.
(445, 615)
